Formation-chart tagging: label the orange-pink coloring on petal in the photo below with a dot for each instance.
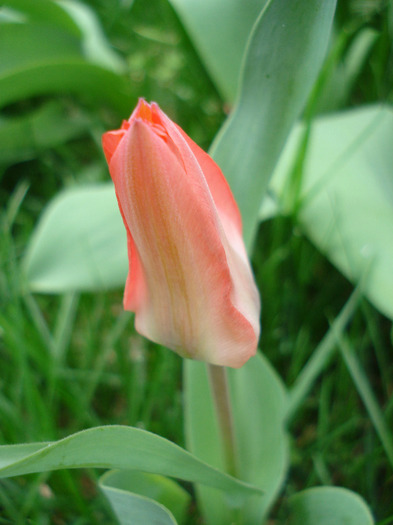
(190, 283)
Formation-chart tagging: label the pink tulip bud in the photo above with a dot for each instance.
(190, 283)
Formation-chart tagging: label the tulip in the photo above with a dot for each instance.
(189, 283)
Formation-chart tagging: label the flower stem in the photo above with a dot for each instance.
(220, 390)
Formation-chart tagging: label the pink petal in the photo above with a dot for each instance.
(190, 283)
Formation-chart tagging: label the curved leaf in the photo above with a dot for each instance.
(345, 203)
(138, 498)
(46, 44)
(43, 11)
(79, 243)
(77, 76)
(54, 63)
(94, 42)
(284, 55)
(132, 509)
(329, 506)
(119, 447)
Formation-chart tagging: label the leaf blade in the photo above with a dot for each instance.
(281, 65)
(345, 204)
(329, 506)
(79, 243)
(118, 447)
(140, 498)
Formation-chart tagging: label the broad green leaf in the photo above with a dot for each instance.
(259, 408)
(95, 46)
(92, 83)
(23, 137)
(34, 44)
(119, 447)
(219, 31)
(132, 509)
(46, 59)
(43, 12)
(138, 498)
(79, 243)
(329, 506)
(284, 55)
(69, 17)
(345, 201)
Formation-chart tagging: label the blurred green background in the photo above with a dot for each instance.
(73, 361)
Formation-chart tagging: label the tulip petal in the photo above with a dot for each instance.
(218, 186)
(134, 291)
(245, 296)
(110, 141)
(190, 283)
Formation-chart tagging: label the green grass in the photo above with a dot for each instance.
(75, 361)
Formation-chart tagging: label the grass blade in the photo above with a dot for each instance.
(365, 392)
(321, 355)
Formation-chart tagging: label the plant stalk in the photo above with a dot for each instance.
(220, 390)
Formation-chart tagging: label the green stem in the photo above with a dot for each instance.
(220, 391)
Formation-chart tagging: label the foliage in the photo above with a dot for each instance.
(72, 361)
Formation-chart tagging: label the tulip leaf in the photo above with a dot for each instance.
(91, 82)
(23, 137)
(55, 63)
(55, 44)
(138, 498)
(69, 17)
(345, 199)
(119, 447)
(79, 243)
(219, 31)
(259, 406)
(133, 509)
(283, 57)
(42, 11)
(94, 44)
(329, 506)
